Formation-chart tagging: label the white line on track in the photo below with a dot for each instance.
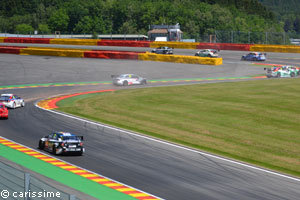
(81, 167)
(173, 145)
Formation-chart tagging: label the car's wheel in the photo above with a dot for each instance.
(278, 75)
(22, 104)
(80, 153)
(14, 105)
(41, 145)
(54, 150)
(125, 83)
(292, 74)
(144, 82)
(298, 72)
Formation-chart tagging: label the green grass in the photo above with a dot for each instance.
(252, 121)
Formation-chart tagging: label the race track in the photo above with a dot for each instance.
(163, 170)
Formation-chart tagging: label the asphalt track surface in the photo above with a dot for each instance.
(163, 170)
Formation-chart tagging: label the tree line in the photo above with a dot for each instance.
(196, 17)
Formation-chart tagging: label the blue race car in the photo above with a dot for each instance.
(254, 56)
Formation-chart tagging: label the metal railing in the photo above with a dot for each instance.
(241, 37)
(17, 185)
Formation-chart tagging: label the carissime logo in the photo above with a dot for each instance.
(31, 194)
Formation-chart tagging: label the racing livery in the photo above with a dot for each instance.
(12, 101)
(254, 56)
(3, 111)
(284, 71)
(128, 79)
(212, 53)
(61, 143)
(163, 50)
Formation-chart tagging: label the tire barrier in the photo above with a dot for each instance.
(175, 45)
(111, 55)
(26, 40)
(224, 46)
(91, 42)
(276, 48)
(125, 43)
(180, 59)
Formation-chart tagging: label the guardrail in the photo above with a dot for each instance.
(16, 184)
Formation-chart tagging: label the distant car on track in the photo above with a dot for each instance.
(12, 100)
(163, 50)
(3, 111)
(254, 56)
(128, 79)
(284, 71)
(61, 143)
(212, 53)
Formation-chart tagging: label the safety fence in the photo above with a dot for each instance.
(179, 45)
(16, 184)
(104, 54)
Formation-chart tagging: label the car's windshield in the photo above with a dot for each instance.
(69, 137)
(5, 98)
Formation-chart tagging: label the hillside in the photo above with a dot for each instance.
(196, 17)
(286, 11)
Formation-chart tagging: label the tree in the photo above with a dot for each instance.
(128, 27)
(59, 20)
(24, 29)
(44, 29)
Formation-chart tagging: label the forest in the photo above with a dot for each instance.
(196, 17)
(287, 13)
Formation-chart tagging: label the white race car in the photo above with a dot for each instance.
(128, 79)
(12, 101)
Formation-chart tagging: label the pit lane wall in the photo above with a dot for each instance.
(83, 53)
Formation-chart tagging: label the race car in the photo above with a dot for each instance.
(3, 111)
(283, 71)
(212, 53)
(128, 79)
(12, 101)
(254, 56)
(62, 143)
(163, 50)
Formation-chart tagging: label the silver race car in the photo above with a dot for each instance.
(12, 100)
(128, 79)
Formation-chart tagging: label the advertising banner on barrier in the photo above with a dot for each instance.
(27, 40)
(224, 46)
(92, 42)
(276, 48)
(111, 55)
(174, 45)
(52, 52)
(10, 49)
(125, 43)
